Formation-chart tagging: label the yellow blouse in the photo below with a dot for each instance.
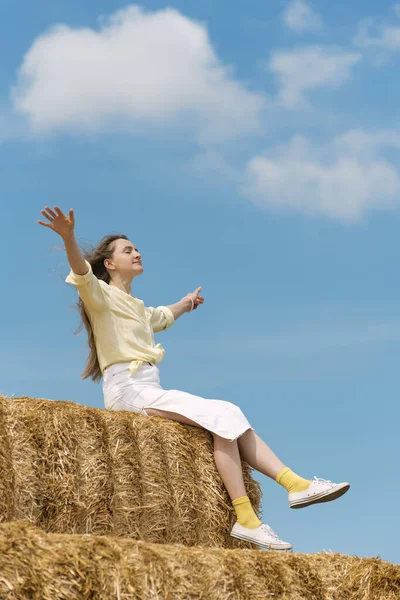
(122, 325)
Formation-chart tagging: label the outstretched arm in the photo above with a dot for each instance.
(81, 275)
(163, 317)
(187, 304)
(64, 226)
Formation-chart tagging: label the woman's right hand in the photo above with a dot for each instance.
(60, 223)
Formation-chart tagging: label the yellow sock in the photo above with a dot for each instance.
(245, 513)
(292, 482)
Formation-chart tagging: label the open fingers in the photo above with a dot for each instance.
(59, 211)
(45, 224)
(47, 215)
(51, 212)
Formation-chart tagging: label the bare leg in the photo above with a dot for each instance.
(258, 455)
(226, 454)
(227, 459)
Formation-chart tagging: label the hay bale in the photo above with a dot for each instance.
(68, 468)
(35, 565)
(7, 483)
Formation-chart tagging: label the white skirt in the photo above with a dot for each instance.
(122, 391)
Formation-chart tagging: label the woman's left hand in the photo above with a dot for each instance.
(197, 299)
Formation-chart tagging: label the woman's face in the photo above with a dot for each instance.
(126, 260)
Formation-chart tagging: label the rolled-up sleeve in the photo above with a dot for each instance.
(89, 289)
(160, 318)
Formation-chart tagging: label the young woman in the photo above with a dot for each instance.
(123, 353)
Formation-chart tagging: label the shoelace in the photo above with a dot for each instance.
(270, 531)
(320, 480)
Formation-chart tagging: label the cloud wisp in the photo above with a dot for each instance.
(343, 180)
(301, 18)
(379, 35)
(302, 70)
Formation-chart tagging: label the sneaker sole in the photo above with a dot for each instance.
(265, 547)
(327, 496)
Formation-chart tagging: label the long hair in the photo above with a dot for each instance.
(96, 257)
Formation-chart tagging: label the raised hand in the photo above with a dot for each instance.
(58, 222)
(197, 299)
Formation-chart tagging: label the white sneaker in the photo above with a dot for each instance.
(263, 536)
(320, 490)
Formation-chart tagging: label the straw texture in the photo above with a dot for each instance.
(102, 505)
(68, 468)
(39, 566)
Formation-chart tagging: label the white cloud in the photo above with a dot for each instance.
(139, 69)
(300, 17)
(342, 180)
(374, 33)
(309, 68)
(365, 143)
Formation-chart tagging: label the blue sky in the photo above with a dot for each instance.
(255, 152)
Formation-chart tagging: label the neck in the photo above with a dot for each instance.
(122, 283)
